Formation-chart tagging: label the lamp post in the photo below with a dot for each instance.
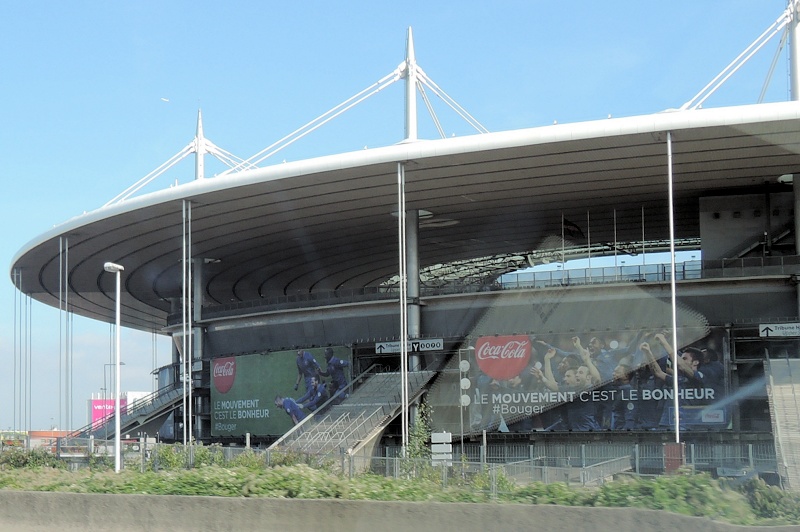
(106, 390)
(116, 268)
(463, 387)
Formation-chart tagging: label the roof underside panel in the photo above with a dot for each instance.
(330, 223)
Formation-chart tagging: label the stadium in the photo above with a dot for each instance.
(442, 273)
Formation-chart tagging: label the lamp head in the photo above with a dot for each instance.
(112, 268)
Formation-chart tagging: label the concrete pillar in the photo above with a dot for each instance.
(412, 272)
(794, 81)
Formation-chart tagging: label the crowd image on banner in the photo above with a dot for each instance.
(248, 392)
(622, 382)
(317, 390)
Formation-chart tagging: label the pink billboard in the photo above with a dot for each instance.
(104, 408)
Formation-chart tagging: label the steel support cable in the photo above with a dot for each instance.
(225, 159)
(421, 89)
(224, 156)
(734, 65)
(317, 126)
(772, 65)
(424, 78)
(314, 124)
(125, 194)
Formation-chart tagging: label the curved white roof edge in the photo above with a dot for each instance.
(423, 149)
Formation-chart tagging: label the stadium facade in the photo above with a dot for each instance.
(246, 268)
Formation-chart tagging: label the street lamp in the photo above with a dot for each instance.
(463, 387)
(106, 390)
(116, 268)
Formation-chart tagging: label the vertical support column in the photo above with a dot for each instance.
(67, 341)
(794, 50)
(676, 402)
(796, 209)
(117, 387)
(794, 75)
(412, 291)
(60, 331)
(185, 348)
(189, 313)
(403, 294)
(412, 282)
(198, 281)
(767, 220)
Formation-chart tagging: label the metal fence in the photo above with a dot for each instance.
(593, 463)
(572, 463)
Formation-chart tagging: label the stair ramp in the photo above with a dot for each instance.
(783, 389)
(345, 427)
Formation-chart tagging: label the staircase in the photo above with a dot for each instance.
(143, 415)
(356, 420)
(778, 234)
(783, 385)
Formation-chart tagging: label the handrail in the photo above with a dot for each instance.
(372, 369)
(131, 410)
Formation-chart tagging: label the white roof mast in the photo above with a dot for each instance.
(410, 75)
(200, 148)
(794, 49)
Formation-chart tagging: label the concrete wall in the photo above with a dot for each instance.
(68, 512)
(729, 224)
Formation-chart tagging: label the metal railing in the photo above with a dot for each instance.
(297, 431)
(651, 273)
(621, 273)
(149, 403)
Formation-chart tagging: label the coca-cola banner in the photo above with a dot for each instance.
(223, 373)
(621, 380)
(502, 357)
(244, 389)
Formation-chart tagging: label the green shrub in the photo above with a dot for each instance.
(35, 458)
(100, 462)
(772, 503)
(168, 457)
(420, 434)
(493, 480)
(247, 475)
(688, 494)
(207, 455)
(249, 459)
(553, 493)
(299, 481)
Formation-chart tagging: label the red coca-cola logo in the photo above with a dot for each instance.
(502, 357)
(224, 373)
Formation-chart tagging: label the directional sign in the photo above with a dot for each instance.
(413, 346)
(441, 437)
(442, 448)
(769, 330)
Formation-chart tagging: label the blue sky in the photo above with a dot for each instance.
(83, 112)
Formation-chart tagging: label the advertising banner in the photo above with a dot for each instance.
(101, 409)
(266, 394)
(589, 382)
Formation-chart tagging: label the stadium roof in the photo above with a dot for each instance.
(329, 223)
